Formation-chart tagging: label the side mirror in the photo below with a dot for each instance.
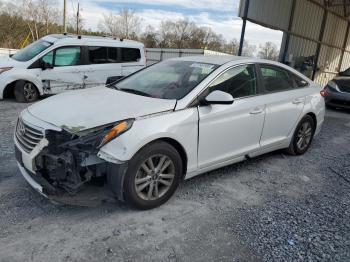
(45, 65)
(219, 98)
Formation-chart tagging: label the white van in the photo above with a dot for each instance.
(57, 63)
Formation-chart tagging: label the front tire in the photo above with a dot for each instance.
(153, 175)
(26, 92)
(303, 136)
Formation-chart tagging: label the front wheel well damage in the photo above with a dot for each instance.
(9, 90)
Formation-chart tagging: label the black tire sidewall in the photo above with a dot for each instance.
(296, 149)
(154, 148)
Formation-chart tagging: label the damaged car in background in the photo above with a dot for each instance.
(142, 135)
(59, 63)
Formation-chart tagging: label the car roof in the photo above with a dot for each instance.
(88, 40)
(212, 59)
(223, 59)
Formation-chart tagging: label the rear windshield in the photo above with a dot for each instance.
(31, 51)
(167, 80)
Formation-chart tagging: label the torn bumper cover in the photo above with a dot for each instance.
(68, 164)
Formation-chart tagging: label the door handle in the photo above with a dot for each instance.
(298, 101)
(256, 111)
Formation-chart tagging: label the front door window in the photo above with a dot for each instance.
(239, 81)
(68, 56)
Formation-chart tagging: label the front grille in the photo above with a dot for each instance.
(27, 136)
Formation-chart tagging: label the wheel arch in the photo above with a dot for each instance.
(9, 90)
(116, 152)
(313, 116)
(179, 148)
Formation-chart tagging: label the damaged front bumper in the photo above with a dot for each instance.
(60, 167)
(29, 178)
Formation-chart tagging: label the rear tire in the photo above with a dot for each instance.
(302, 137)
(152, 176)
(25, 92)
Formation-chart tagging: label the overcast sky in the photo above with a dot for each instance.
(220, 15)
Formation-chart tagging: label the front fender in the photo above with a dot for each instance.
(20, 74)
(181, 126)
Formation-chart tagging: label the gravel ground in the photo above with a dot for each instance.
(272, 208)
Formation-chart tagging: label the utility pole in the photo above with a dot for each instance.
(78, 19)
(64, 16)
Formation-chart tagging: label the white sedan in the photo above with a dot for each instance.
(174, 120)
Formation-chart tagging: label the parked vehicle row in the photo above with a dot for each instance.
(57, 63)
(171, 121)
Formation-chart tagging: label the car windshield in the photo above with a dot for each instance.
(31, 50)
(167, 80)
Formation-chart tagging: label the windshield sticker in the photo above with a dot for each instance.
(203, 66)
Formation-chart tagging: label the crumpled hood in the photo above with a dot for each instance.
(83, 109)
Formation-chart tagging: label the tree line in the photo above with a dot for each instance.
(35, 18)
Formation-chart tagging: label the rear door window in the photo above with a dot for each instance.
(299, 82)
(97, 55)
(112, 55)
(103, 55)
(276, 79)
(130, 54)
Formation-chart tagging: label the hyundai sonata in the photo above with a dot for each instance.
(171, 121)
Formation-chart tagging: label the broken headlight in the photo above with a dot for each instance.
(98, 136)
(116, 131)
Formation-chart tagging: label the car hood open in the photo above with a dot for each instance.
(83, 109)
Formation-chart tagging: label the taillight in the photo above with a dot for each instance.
(324, 93)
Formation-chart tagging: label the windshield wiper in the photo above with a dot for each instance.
(132, 91)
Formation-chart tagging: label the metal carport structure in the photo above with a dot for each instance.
(315, 33)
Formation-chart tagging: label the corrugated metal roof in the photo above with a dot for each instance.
(329, 58)
(304, 23)
(301, 47)
(334, 32)
(306, 30)
(346, 61)
(271, 12)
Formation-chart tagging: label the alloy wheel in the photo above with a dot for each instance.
(29, 91)
(304, 135)
(154, 177)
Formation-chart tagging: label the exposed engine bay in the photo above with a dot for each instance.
(70, 161)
